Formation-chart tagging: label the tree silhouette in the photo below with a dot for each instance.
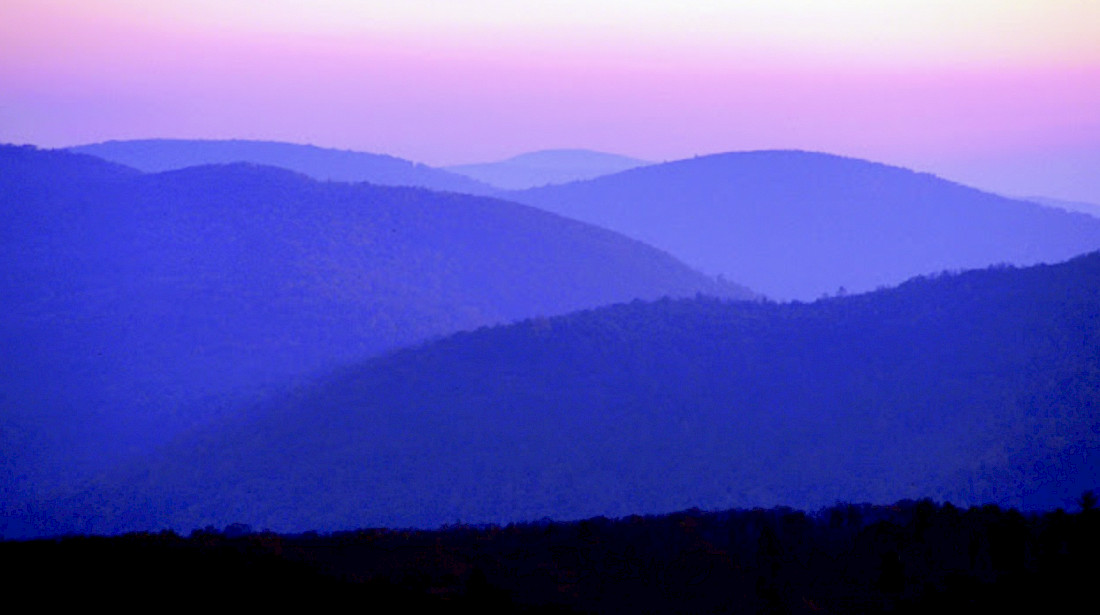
(1087, 501)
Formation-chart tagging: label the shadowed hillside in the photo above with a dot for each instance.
(970, 388)
(798, 225)
(154, 155)
(138, 305)
(547, 167)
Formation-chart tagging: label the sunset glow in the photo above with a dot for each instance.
(923, 83)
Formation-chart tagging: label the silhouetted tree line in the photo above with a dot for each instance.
(913, 556)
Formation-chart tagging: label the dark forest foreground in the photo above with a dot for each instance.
(909, 557)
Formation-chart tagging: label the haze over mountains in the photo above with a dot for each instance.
(136, 305)
(790, 224)
(557, 166)
(797, 225)
(154, 155)
(237, 307)
(1091, 209)
(970, 388)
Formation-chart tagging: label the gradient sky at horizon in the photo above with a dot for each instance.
(1002, 94)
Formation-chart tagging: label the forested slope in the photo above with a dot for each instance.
(970, 388)
(138, 305)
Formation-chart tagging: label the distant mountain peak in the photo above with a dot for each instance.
(572, 155)
(798, 224)
(155, 155)
(546, 167)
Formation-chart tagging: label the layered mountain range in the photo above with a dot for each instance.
(558, 166)
(981, 387)
(239, 343)
(156, 155)
(137, 305)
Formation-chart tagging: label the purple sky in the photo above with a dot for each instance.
(1001, 94)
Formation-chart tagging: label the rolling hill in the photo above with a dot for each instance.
(797, 225)
(544, 167)
(979, 387)
(156, 155)
(138, 305)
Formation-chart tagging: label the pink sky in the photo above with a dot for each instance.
(1003, 94)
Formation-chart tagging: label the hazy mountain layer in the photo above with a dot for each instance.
(977, 387)
(557, 166)
(154, 155)
(136, 305)
(1086, 208)
(798, 225)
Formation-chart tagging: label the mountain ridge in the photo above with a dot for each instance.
(650, 407)
(543, 167)
(180, 295)
(156, 155)
(797, 224)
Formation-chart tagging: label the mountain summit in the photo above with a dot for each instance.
(795, 224)
(553, 166)
(154, 155)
